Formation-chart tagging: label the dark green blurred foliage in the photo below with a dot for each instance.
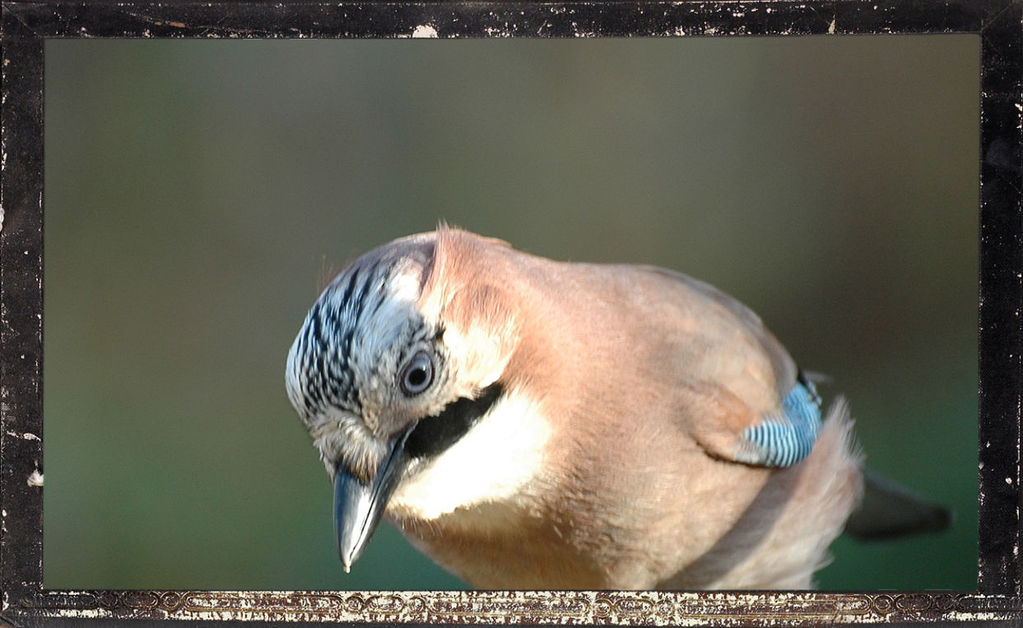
(197, 190)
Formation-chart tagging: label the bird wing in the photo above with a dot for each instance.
(783, 438)
(726, 427)
(720, 413)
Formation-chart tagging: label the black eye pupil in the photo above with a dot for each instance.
(417, 375)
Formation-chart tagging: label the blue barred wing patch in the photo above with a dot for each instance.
(782, 441)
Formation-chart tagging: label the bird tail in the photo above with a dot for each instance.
(888, 511)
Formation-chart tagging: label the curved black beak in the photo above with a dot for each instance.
(358, 507)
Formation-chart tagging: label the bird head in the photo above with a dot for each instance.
(401, 354)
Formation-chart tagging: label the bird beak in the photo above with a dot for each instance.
(357, 506)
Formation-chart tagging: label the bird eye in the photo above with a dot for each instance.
(417, 374)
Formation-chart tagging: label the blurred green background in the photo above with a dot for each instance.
(197, 190)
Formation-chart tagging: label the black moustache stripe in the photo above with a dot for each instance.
(436, 433)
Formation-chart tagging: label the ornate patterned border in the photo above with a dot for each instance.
(558, 607)
(25, 25)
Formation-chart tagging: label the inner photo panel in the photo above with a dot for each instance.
(197, 192)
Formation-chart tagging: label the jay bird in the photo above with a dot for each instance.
(533, 424)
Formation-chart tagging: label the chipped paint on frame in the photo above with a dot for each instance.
(26, 24)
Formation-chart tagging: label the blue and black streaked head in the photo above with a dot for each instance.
(383, 377)
(366, 362)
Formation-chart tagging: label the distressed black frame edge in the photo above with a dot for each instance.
(25, 26)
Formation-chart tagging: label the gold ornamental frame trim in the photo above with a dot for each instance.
(529, 607)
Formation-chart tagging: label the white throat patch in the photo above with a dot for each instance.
(493, 463)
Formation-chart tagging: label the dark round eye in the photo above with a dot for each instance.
(417, 375)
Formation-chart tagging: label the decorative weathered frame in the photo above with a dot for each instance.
(25, 26)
